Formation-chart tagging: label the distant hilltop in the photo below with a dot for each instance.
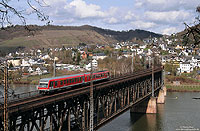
(15, 37)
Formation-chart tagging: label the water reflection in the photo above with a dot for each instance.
(143, 122)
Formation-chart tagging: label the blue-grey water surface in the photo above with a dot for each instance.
(179, 113)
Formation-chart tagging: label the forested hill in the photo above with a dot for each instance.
(125, 35)
(52, 36)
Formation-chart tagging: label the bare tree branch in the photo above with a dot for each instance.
(193, 32)
(7, 12)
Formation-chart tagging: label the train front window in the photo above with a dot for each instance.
(43, 84)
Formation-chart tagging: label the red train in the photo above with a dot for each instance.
(54, 83)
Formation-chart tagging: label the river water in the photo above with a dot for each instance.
(179, 113)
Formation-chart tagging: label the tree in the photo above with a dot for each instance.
(7, 11)
(193, 32)
(78, 59)
(171, 68)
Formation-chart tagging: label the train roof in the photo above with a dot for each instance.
(95, 72)
(47, 79)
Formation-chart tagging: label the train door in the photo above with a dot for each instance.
(83, 80)
(51, 85)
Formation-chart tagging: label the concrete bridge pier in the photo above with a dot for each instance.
(165, 90)
(161, 97)
(147, 106)
(152, 107)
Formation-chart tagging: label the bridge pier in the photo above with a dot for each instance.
(151, 107)
(161, 97)
(147, 106)
(165, 90)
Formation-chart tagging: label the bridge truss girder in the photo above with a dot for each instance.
(74, 112)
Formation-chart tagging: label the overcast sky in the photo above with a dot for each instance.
(160, 16)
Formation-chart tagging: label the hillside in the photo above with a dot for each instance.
(17, 37)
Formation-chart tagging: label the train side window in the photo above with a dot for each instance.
(51, 84)
(56, 83)
(64, 82)
(67, 81)
(80, 79)
(72, 80)
(61, 82)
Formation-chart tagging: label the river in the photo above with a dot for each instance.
(179, 113)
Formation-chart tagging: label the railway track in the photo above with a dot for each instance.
(42, 100)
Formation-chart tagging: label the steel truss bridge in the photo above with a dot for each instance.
(69, 109)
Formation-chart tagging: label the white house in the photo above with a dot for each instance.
(163, 47)
(140, 51)
(30, 70)
(38, 71)
(118, 47)
(99, 56)
(45, 57)
(94, 65)
(142, 46)
(15, 61)
(186, 67)
(32, 62)
(25, 63)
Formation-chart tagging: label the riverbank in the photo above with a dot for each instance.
(183, 88)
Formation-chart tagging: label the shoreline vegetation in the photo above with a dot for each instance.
(183, 88)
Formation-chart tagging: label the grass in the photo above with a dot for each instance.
(182, 79)
(184, 88)
(19, 42)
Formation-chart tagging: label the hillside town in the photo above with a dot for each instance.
(168, 50)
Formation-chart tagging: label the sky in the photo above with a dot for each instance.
(160, 16)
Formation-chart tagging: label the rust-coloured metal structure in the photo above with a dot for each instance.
(69, 109)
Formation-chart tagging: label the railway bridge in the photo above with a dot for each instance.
(69, 109)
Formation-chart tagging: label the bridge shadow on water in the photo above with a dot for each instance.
(147, 122)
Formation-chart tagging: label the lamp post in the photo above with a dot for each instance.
(152, 74)
(132, 64)
(5, 96)
(54, 67)
(91, 97)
